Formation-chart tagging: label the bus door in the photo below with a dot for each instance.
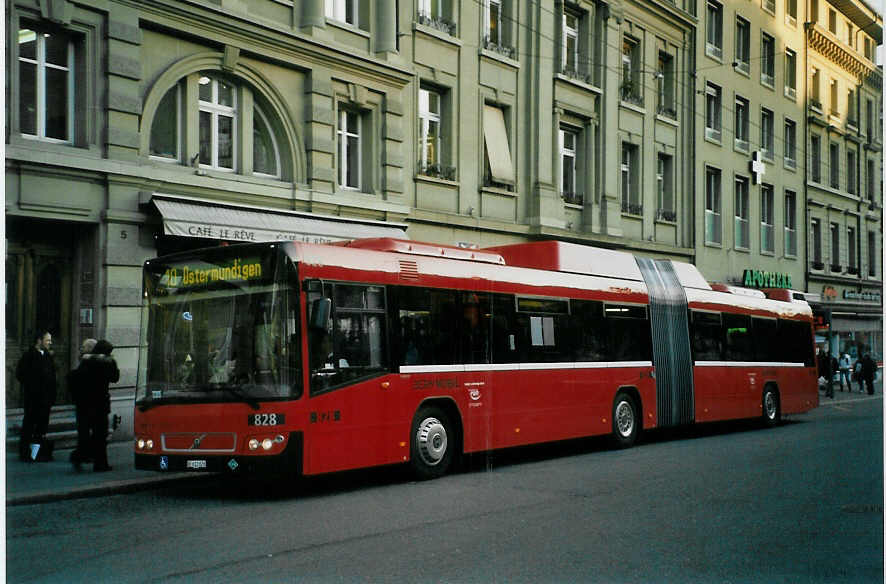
(743, 380)
(352, 411)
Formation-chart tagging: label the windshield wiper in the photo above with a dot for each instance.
(237, 392)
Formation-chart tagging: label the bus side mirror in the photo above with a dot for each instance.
(321, 308)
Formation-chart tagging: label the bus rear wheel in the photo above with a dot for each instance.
(771, 406)
(625, 421)
(433, 443)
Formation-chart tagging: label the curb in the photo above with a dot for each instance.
(111, 488)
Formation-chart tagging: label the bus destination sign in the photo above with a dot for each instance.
(238, 270)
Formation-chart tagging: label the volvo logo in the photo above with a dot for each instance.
(197, 442)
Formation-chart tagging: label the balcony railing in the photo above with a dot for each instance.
(573, 198)
(437, 23)
(577, 75)
(437, 171)
(666, 215)
(630, 94)
(817, 265)
(815, 105)
(631, 208)
(836, 268)
(667, 112)
(491, 45)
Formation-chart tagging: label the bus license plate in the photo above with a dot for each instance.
(196, 464)
(266, 419)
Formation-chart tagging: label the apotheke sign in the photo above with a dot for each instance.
(761, 279)
(863, 296)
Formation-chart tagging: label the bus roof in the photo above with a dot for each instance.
(531, 264)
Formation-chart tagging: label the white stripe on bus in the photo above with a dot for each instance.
(746, 364)
(473, 368)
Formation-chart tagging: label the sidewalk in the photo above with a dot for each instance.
(40, 482)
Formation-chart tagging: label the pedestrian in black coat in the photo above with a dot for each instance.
(868, 370)
(36, 373)
(97, 371)
(78, 389)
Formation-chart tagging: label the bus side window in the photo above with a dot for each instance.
(765, 339)
(739, 345)
(506, 346)
(707, 336)
(629, 333)
(588, 331)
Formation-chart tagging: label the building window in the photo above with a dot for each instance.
(813, 10)
(166, 129)
(832, 21)
(436, 14)
(631, 65)
(835, 248)
(714, 27)
(790, 9)
(713, 222)
(790, 223)
(868, 49)
(429, 107)
(816, 245)
(570, 47)
(712, 112)
(769, 6)
(630, 188)
(815, 89)
(664, 182)
(870, 178)
(46, 83)
(496, 22)
(499, 167)
(342, 11)
(790, 144)
(664, 79)
(569, 153)
(815, 158)
(742, 124)
(742, 45)
(834, 161)
(265, 151)
(835, 99)
(742, 227)
(869, 119)
(767, 219)
(790, 74)
(349, 150)
(220, 118)
(852, 108)
(851, 171)
(767, 133)
(767, 60)
(851, 243)
(872, 254)
(218, 123)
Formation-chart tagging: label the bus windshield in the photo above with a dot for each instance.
(216, 327)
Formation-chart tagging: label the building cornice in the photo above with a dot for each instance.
(824, 43)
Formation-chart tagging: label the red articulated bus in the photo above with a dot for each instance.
(321, 358)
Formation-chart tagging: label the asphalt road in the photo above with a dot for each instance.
(724, 503)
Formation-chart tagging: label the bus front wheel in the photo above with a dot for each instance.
(433, 443)
(625, 421)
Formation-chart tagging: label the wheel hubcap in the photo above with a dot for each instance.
(624, 418)
(432, 441)
(769, 405)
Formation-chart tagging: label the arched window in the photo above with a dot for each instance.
(212, 139)
(265, 154)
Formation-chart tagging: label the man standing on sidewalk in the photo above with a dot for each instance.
(78, 388)
(36, 373)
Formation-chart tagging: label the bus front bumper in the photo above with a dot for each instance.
(288, 461)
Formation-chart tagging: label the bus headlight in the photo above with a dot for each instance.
(144, 443)
(267, 443)
(140, 443)
(253, 444)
